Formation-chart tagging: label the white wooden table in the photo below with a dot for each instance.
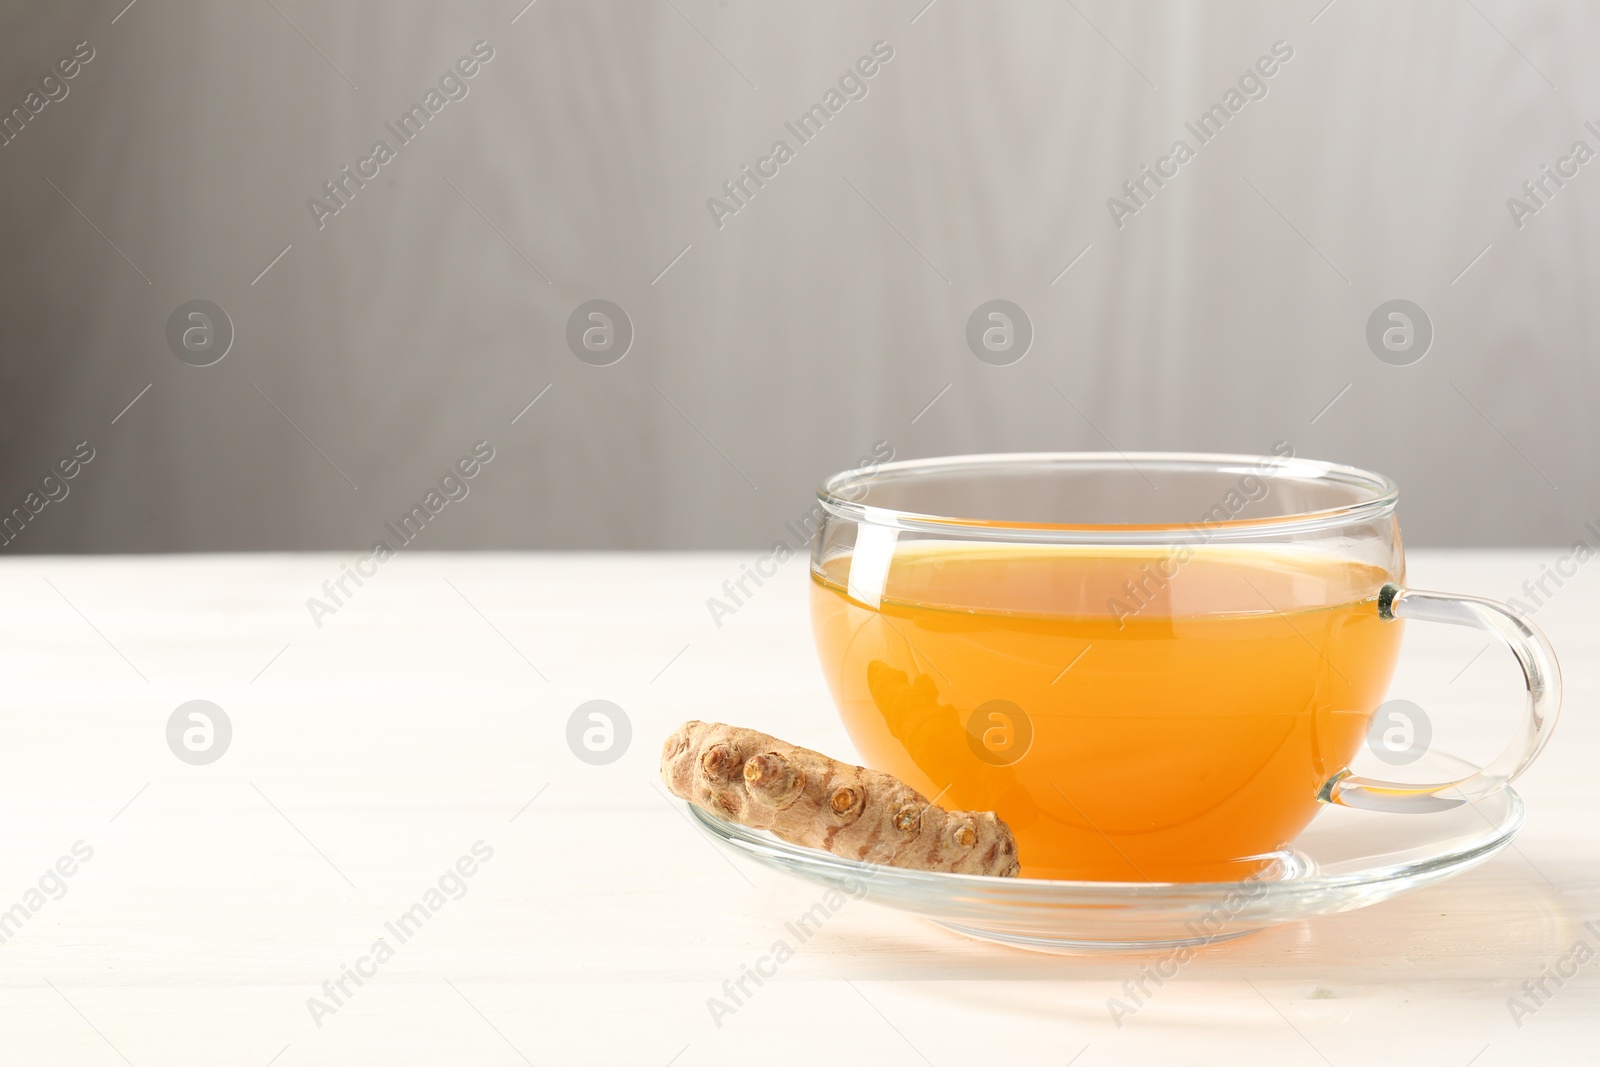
(429, 713)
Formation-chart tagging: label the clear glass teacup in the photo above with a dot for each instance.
(1154, 666)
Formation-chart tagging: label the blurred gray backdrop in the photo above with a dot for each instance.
(1226, 309)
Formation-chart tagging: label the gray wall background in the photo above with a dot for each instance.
(825, 315)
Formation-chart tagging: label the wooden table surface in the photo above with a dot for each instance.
(426, 717)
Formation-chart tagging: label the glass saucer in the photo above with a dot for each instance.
(1346, 859)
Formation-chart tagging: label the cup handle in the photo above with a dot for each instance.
(1539, 672)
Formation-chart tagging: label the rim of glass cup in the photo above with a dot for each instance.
(837, 495)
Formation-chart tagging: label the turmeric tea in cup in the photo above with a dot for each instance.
(1154, 667)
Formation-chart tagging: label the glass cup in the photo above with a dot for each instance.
(1153, 666)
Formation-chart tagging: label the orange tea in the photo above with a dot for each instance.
(1134, 714)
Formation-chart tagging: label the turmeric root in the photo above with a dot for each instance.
(807, 799)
